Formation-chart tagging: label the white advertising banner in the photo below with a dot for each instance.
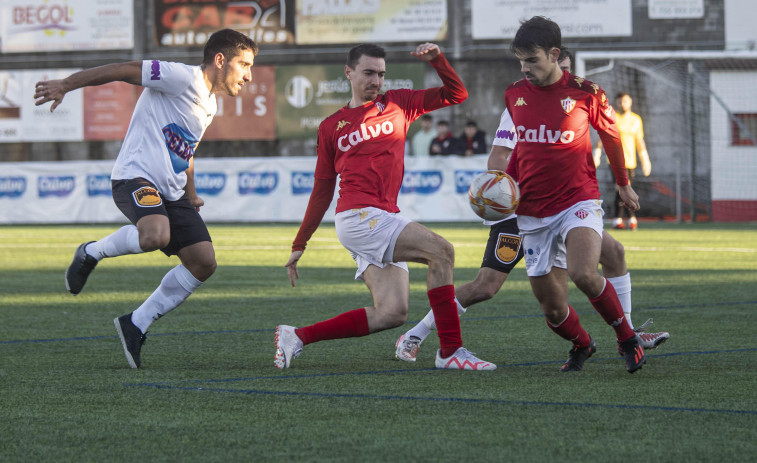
(62, 25)
(370, 21)
(235, 190)
(500, 19)
(21, 120)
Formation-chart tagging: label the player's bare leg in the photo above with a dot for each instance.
(486, 284)
(583, 247)
(613, 261)
(417, 243)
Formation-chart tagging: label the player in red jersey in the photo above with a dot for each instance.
(560, 214)
(364, 143)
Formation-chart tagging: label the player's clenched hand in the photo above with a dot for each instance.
(49, 90)
(197, 202)
(291, 266)
(426, 51)
(629, 197)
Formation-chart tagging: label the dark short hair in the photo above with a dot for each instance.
(229, 43)
(368, 49)
(565, 53)
(427, 117)
(471, 124)
(621, 95)
(537, 32)
(443, 123)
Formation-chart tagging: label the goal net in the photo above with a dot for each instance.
(699, 111)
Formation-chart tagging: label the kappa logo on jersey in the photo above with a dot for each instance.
(595, 87)
(582, 214)
(98, 185)
(302, 182)
(520, 102)
(147, 196)
(181, 146)
(579, 80)
(258, 183)
(422, 182)
(366, 132)
(609, 111)
(544, 135)
(341, 124)
(568, 104)
(12, 187)
(507, 248)
(210, 183)
(155, 70)
(55, 186)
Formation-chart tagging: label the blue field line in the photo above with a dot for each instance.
(331, 395)
(409, 322)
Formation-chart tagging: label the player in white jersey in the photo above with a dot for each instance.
(503, 252)
(153, 177)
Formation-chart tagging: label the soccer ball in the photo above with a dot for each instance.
(493, 195)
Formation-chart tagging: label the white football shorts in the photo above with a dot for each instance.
(370, 235)
(544, 238)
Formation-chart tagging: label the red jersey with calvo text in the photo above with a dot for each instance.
(365, 146)
(554, 165)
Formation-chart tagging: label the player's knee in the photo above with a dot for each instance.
(585, 280)
(394, 314)
(152, 241)
(445, 253)
(203, 268)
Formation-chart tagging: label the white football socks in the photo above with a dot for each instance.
(424, 328)
(176, 286)
(123, 241)
(622, 286)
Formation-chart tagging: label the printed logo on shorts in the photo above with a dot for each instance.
(582, 214)
(147, 196)
(507, 248)
(372, 223)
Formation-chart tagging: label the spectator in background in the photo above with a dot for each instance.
(421, 144)
(444, 143)
(473, 140)
(631, 132)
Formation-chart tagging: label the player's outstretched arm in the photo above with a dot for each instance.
(55, 90)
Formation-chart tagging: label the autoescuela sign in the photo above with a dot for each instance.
(189, 23)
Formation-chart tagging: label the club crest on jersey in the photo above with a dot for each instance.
(568, 104)
(380, 107)
(520, 102)
(147, 196)
(341, 124)
(582, 214)
(507, 248)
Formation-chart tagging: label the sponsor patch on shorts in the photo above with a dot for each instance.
(147, 196)
(507, 247)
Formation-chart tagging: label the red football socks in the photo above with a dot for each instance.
(571, 329)
(350, 324)
(608, 306)
(443, 305)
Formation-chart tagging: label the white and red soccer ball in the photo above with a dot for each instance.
(493, 195)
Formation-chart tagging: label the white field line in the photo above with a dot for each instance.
(339, 246)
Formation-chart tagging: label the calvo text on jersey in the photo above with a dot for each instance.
(544, 135)
(365, 132)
